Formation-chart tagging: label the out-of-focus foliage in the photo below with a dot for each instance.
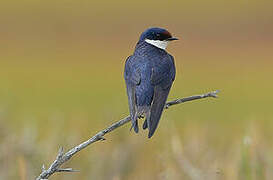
(61, 66)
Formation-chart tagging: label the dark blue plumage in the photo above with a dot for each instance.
(149, 74)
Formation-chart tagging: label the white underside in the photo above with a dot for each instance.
(158, 43)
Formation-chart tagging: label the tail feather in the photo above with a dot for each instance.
(135, 122)
(136, 126)
(148, 116)
(145, 125)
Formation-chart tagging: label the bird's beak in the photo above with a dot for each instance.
(171, 39)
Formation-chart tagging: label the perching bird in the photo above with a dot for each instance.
(149, 74)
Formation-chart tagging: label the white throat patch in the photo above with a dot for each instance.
(158, 43)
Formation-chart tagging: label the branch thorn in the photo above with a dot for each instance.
(66, 170)
(60, 153)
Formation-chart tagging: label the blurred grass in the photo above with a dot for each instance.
(61, 81)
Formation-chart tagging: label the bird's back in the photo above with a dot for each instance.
(155, 68)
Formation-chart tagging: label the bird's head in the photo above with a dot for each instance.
(157, 36)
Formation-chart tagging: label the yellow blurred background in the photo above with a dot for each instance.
(61, 81)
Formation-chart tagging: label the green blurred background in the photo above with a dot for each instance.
(61, 81)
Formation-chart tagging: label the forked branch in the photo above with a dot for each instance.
(63, 157)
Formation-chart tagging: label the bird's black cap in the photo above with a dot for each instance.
(157, 34)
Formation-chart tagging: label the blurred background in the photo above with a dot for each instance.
(61, 81)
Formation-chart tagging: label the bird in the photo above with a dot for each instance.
(149, 74)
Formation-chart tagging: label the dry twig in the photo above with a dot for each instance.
(63, 157)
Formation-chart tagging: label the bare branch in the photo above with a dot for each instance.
(63, 157)
(191, 98)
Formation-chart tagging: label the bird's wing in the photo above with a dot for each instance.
(165, 75)
(159, 99)
(132, 78)
(162, 79)
(172, 70)
(131, 75)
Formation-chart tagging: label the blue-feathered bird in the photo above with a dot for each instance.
(149, 74)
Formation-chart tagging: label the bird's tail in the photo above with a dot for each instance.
(148, 116)
(135, 122)
(152, 119)
(140, 111)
